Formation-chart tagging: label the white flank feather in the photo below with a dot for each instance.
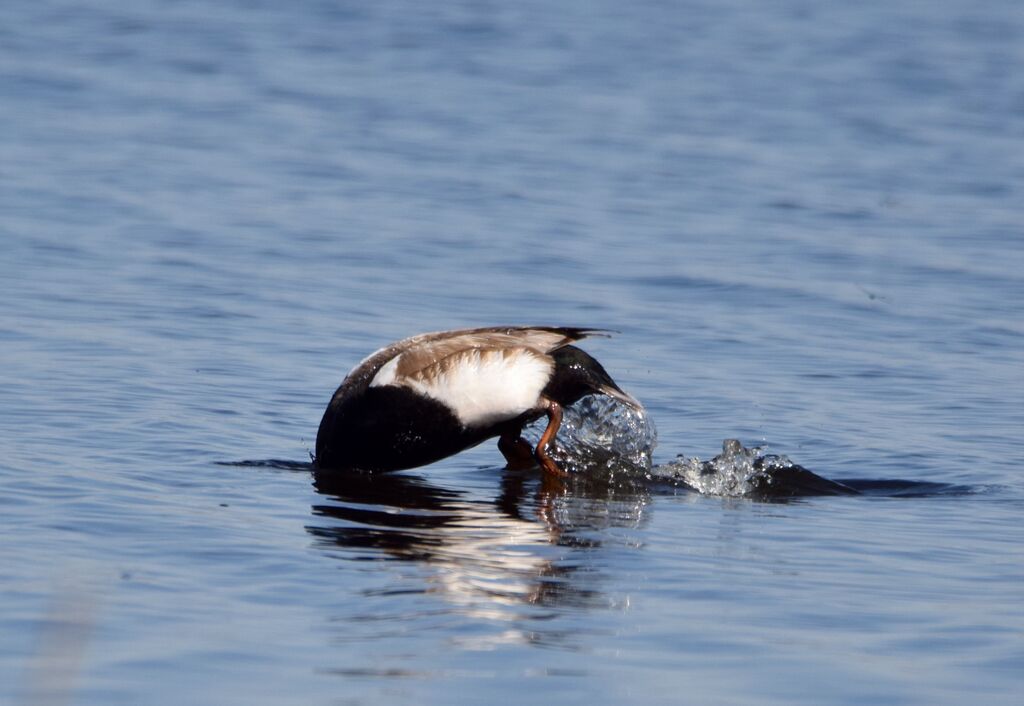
(481, 387)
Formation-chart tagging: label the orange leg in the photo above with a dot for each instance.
(554, 412)
(518, 454)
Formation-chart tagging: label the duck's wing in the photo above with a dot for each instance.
(416, 354)
(483, 375)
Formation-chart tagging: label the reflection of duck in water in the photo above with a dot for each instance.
(486, 555)
(430, 396)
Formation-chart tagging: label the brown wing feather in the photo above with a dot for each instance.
(427, 350)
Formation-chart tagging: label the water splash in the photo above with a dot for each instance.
(605, 440)
(747, 472)
(599, 435)
(736, 472)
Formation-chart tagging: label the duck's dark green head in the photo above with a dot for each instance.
(578, 374)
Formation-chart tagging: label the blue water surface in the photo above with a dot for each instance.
(805, 219)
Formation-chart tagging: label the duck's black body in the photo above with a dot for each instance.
(390, 428)
(431, 396)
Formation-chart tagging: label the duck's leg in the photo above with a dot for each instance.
(518, 454)
(554, 412)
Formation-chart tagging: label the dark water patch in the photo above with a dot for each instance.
(894, 488)
(275, 463)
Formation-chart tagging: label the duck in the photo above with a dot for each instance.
(430, 396)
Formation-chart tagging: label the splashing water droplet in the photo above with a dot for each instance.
(600, 434)
(736, 472)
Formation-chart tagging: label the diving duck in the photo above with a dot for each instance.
(427, 397)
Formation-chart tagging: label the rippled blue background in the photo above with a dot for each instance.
(804, 217)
